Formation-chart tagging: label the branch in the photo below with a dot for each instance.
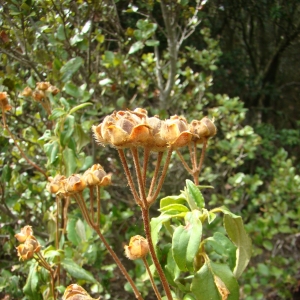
(173, 52)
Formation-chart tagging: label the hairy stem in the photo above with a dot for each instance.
(80, 200)
(118, 262)
(140, 181)
(145, 164)
(155, 175)
(129, 177)
(162, 177)
(184, 162)
(146, 220)
(151, 279)
(202, 155)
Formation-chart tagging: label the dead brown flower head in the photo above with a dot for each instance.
(74, 184)
(96, 176)
(4, 104)
(203, 129)
(43, 85)
(138, 247)
(123, 129)
(38, 95)
(76, 292)
(56, 184)
(176, 132)
(27, 92)
(30, 244)
(26, 231)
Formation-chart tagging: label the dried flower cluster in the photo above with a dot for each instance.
(125, 129)
(30, 244)
(94, 176)
(4, 102)
(76, 292)
(138, 247)
(40, 92)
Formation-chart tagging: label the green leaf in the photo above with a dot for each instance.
(105, 81)
(194, 196)
(71, 232)
(80, 106)
(136, 47)
(77, 271)
(87, 26)
(171, 269)
(224, 273)
(81, 138)
(51, 252)
(51, 150)
(6, 174)
(156, 225)
(70, 161)
(77, 38)
(174, 207)
(80, 230)
(54, 151)
(69, 126)
(172, 200)
(70, 68)
(61, 33)
(186, 241)
(235, 229)
(189, 297)
(72, 90)
(224, 247)
(203, 284)
(152, 43)
(57, 113)
(31, 286)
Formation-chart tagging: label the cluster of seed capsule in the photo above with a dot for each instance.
(29, 245)
(125, 129)
(41, 90)
(94, 176)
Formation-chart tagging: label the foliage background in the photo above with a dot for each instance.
(236, 61)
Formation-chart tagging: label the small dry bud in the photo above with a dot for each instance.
(43, 86)
(56, 184)
(4, 102)
(53, 90)
(38, 95)
(96, 176)
(138, 248)
(3, 96)
(202, 129)
(176, 132)
(27, 92)
(26, 250)
(26, 231)
(76, 292)
(75, 184)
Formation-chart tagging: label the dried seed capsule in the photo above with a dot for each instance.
(138, 247)
(76, 292)
(96, 176)
(176, 132)
(26, 231)
(74, 184)
(43, 86)
(27, 92)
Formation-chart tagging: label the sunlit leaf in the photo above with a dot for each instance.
(70, 68)
(235, 229)
(77, 271)
(136, 47)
